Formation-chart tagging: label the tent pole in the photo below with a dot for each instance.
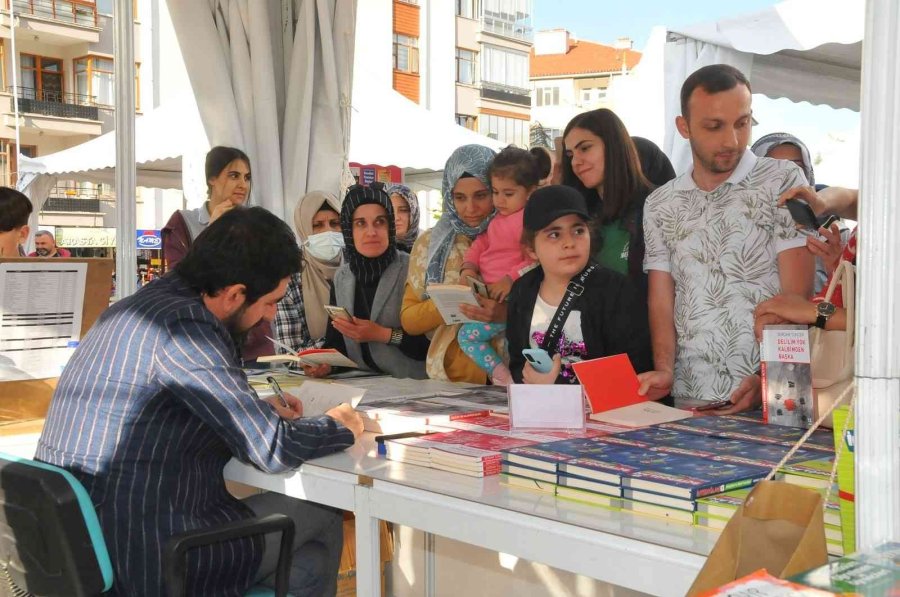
(877, 435)
(126, 203)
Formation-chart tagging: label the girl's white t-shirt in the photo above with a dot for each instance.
(571, 343)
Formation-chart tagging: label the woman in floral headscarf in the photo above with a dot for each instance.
(438, 255)
(406, 215)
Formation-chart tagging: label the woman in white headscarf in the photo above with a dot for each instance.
(301, 320)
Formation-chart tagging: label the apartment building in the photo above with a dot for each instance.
(475, 72)
(56, 73)
(570, 76)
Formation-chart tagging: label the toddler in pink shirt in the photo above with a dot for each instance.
(496, 256)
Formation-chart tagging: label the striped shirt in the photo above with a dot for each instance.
(147, 413)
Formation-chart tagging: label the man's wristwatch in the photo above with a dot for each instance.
(824, 311)
(396, 336)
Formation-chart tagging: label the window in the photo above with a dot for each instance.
(547, 96)
(406, 53)
(465, 66)
(94, 81)
(509, 18)
(505, 67)
(2, 64)
(9, 160)
(42, 78)
(467, 8)
(506, 130)
(586, 96)
(469, 122)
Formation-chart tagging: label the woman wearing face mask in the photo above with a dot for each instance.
(301, 319)
(369, 285)
(406, 215)
(227, 185)
(438, 256)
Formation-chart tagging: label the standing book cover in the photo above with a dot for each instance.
(787, 376)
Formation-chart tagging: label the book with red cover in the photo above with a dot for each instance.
(460, 451)
(609, 382)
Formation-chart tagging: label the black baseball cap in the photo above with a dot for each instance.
(551, 202)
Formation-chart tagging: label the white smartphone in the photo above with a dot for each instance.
(338, 312)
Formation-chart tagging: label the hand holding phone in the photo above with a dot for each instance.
(338, 313)
(478, 287)
(802, 214)
(539, 358)
(714, 405)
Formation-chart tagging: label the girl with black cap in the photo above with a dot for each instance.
(600, 314)
(369, 285)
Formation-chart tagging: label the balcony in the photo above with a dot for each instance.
(54, 112)
(58, 22)
(515, 26)
(506, 93)
(56, 103)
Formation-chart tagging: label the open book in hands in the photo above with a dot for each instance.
(448, 297)
(312, 357)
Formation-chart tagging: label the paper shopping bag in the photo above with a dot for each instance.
(780, 528)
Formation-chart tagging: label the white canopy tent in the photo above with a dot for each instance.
(803, 50)
(170, 143)
(162, 137)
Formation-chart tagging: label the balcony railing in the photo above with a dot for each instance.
(56, 103)
(506, 93)
(65, 11)
(73, 197)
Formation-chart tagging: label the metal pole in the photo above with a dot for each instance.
(877, 435)
(15, 76)
(126, 207)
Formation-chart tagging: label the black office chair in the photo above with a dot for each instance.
(51, 543)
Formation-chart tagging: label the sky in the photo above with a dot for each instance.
(604, 20)
(831, 135)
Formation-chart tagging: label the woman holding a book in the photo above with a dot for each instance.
(437, 258)
(369, 286)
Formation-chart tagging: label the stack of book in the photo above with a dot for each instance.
(621, 471)
(459, 451)
(814, 474)
(413, 413)
(754, 430)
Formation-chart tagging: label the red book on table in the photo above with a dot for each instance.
(609, 382)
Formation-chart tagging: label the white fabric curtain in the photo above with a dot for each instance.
(273, 79)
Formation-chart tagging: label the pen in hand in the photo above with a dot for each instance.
(273, 383)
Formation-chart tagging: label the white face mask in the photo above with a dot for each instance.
(325, 246)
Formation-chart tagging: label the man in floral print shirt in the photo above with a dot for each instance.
(718, 245)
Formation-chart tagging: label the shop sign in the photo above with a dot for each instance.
(78, 238)
(149, 239)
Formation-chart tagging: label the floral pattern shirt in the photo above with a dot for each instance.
(721, 248)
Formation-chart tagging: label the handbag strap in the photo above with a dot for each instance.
(574, 289)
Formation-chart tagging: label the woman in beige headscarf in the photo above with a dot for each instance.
(301, 320)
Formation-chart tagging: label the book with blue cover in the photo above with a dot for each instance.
(553, 455)
(677, 475)
(726, 449)
(743, 428)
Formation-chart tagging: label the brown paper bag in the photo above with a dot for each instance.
(779, 528)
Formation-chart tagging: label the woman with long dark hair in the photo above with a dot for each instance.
(603, 162)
